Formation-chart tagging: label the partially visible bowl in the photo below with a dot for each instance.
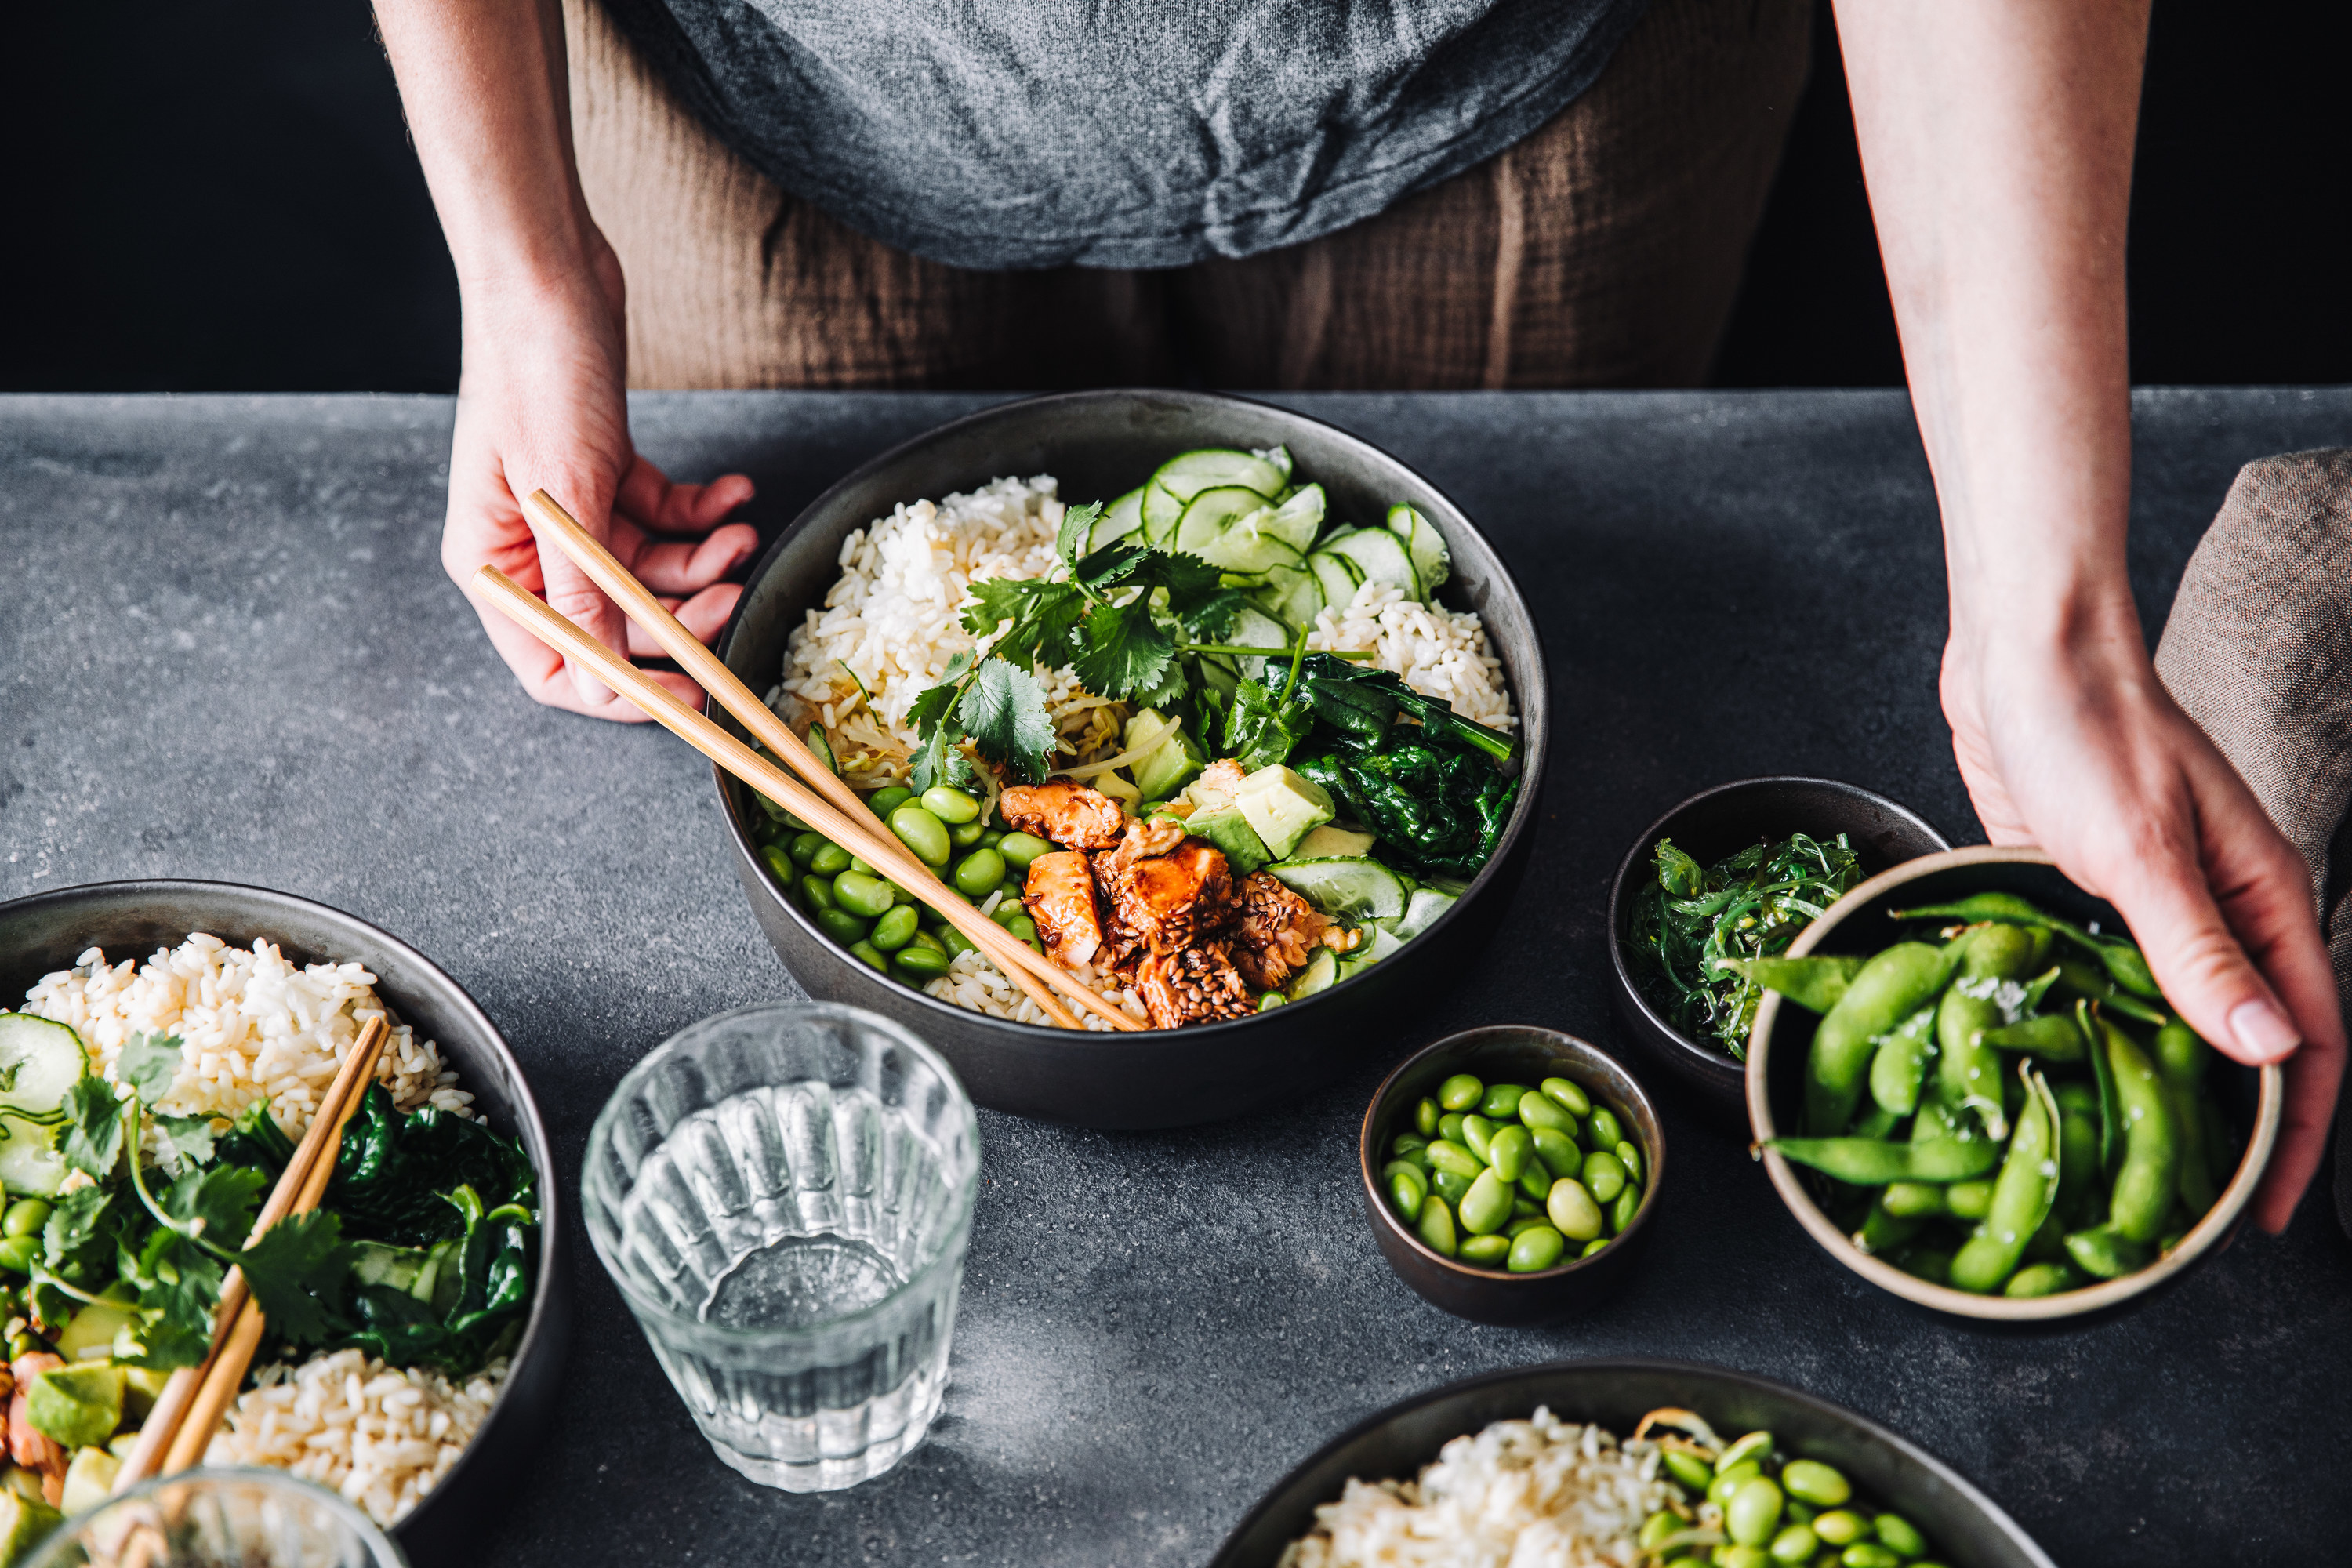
(1723, 821)
(1964, 1528)
(1523, 1054)
(1858, 923)
(1099, 444)
(49, 932)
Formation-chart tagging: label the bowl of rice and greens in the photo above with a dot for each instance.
(1229, 714)
(163, 1046)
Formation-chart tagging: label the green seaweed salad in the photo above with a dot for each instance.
(422, 1253)
(1692, 926)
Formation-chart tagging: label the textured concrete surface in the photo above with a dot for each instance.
(228, 651)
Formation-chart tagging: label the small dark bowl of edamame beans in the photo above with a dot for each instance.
(1529, 1164)
(2248, 1100)
(1708, 827)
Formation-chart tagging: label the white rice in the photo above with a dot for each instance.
(972, 981)
(1437, 651)
(1539, 1493)
(250, 1024)
(379, 1435)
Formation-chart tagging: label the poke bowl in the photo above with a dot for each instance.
(2102, 1264)
(1872, 1471)
(445, 1055)
(1337, 929)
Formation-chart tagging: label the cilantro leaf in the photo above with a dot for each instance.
(1004, 712)
(1124, 651)
(1036, 617)
(1112, 565)
(179, 1281)
(93, 1142)
(225, 1198)
(164, 1344)
(183, 1140)
(78, 1240)
(1078, 522)
(297, 1270)
(939, 759)
(149, 1063)
(1197, 594)
(936, 702)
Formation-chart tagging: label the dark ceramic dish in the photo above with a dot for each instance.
(1857, 923)
(1508, 1053)
(1723, 821)
(1099, 444)
(48, 931)
(1964, 1528)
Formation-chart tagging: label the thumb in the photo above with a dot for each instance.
(569, 591)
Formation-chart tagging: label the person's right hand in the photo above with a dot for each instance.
(542, 406)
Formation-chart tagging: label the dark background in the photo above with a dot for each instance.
(218, 194)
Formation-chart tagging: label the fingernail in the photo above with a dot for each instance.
(2263, 1031)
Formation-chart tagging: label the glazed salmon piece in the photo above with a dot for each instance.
(1060, 897)
(27, 1444)
(1198, 985)
(1171, 900)
(1278, 932)
(1071, 814)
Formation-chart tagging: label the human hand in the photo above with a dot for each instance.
(2069, 742)
(542, 404)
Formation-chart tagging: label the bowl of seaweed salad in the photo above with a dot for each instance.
(1727, 876)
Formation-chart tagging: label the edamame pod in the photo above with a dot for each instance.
(1814, 984)
(2181, 1055)
(1874, 1162)
(1889, 988)
(2145, 1181)
(1883, 1230)
(1913, 1200)
(1995, 955)
(1899, 1067)
(2090, 983)
(2024, 1194)
(2042, 1280)
(2053, 1037)
(2104, 1253)
(1968, 1200)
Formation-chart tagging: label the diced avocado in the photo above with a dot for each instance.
(142, 1387)
(1228, 828)
(1283, 806)
(24, 1523)
(1329, 843)
(91, 1331)
(25, 1483)
(1168, 765)
(79, 1406)
(121, 1443)
(88, 1480)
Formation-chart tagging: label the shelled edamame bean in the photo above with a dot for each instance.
(881, 923)
(2003, 1102)
(1515, 1178)
(1745, 1504)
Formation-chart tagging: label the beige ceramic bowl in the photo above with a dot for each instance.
(1858, 923)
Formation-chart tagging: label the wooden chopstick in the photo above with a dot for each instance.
(163, 1422)
(867, 838)
(224, 1371)
(710, 672)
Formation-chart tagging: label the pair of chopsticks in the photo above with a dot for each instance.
(190, 1408)
(824, 801)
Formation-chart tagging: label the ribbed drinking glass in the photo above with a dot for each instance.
(221, 1519)
(784, 1194)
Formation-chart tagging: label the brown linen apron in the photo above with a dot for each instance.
(1604, 251)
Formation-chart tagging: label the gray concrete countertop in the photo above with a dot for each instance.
(228, 651)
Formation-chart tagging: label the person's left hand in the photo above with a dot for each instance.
(2070, 743)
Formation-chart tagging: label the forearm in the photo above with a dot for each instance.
(1996, 140)
(483, 86)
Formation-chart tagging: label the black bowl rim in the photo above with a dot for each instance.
(1707, 1055)
(551, 1201)
(1750, 1382)
(2205, 1236)
(1655, 1178)
(1531, 763)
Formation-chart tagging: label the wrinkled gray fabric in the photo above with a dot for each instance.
(1024, 133)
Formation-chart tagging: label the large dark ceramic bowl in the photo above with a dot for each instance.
(1857, 923)
(1101, 444)
(1508, 1053)
(1964, 1528)
(1723, 821)
(49, 932)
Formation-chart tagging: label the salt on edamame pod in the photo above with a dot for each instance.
(1996, 955)
(1876, 1163)
(2123, 962)
(1816, 982)
(1898, 1069)
(1894, 985)
(2147, 1179)
(2022, 1195)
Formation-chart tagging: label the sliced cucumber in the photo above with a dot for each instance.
(1277, 456)
(1296, 520)
(1351, 889)
(1291, 594)
(1211, 515)
(40, 1062)
(1254, 629)
(1338, 576)
(1188, 474)
(1161, 511)
(1432, 563)
(1379, 557)
(1320, 972)
(1121, 517)
(1421, 912)
(1379, 944)
(30, 1165)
